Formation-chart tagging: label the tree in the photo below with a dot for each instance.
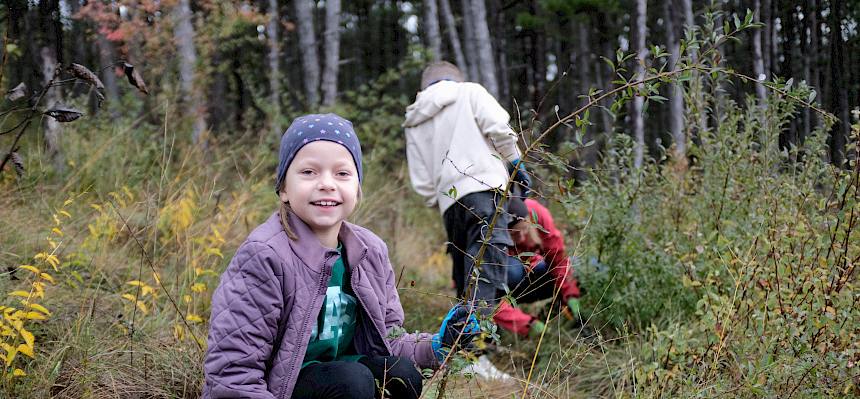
(471, 49)
(838, 87)
(639, 28)
(484, 47)
(332, 51)
(308, 49)
(453, 36)
(431, 29)
(676, 94)
(184, 36)
(274, 58)
(758, 61)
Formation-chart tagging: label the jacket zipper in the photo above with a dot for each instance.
(323, 281)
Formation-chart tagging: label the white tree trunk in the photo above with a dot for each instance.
(471, 49)
(274, 65)
(453, 36)
(758, 62)
(53, 129)
(431, 30)
(676, 94)
(308, 48)
(332, 51)
(638, 101)
(486, 62)
(184, 37)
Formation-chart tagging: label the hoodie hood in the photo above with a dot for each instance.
(430, 101)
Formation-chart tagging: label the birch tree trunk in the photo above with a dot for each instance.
(638, 102)
(53, 129)
(676, 93)
(332, 52)
(308, 50)
(471, 49)
(767, 32)
(431, 30)
(758, 61)
(486, 63)
(274, 65)
(184, 37)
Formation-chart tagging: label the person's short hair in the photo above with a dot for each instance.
(440, 70)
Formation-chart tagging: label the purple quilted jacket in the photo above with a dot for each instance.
(269, 299)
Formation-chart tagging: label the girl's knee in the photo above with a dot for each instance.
(404, 379)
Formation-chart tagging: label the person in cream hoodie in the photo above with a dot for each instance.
(459, 147)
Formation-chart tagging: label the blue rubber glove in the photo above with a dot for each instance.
(457, 323)
(522, 178)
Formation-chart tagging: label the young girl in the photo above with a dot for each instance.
(308, 308)
(547, 271)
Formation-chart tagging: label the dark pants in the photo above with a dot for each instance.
(364, 379)
(467, 224)
(530, 286)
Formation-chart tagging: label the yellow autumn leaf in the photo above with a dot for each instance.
(194, 318)
(186, 298)
(29, 339)
(66, 214)
(23, 294)
(30, 268)
(27, 350)
(136, 283)
(56, 219)
(130, 297)
(215, 251)
(38, 307)
(10, 353)
(68, 202)
(53, 260)
(34, 316)
(178, 332)
(57, 231)
(96, 207)
(47, 276)
(52, 243)
(142, 307)
(198, 287)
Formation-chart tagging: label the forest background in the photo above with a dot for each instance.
(701, 158)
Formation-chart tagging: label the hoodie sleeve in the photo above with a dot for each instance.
(493, 120)
(419, 175)
(244, 321)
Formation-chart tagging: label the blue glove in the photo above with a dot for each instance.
(522, 178)
(458, 323)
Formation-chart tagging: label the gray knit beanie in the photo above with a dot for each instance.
(439, 71)
(314, 127)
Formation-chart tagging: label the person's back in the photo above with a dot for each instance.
(457, 137)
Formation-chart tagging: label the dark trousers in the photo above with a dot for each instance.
(530, 286)
(365, 379)
(467, 224)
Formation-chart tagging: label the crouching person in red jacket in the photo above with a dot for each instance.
(540, 275)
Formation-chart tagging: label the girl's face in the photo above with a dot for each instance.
(322, 186)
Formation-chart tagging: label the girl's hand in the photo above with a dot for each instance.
(458, 329)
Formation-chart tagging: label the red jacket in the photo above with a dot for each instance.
(552, 249)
